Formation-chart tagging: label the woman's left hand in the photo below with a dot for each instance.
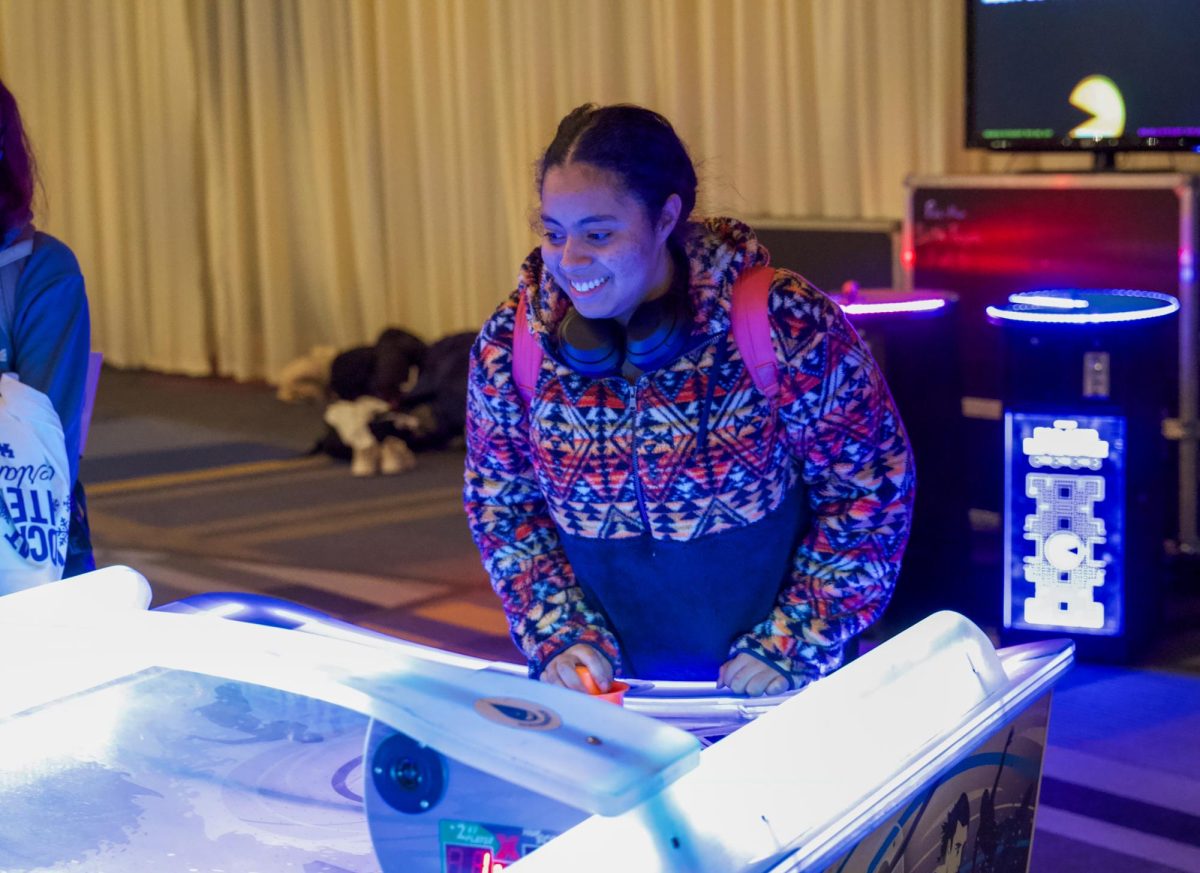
(746, 674)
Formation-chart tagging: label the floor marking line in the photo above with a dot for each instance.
(381, 592)
(342, 523)
(209, 474)
(114, 532)
(215, 487)
(1114, 838)
(1124, 780)
(385, 506)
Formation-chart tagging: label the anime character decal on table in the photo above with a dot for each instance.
(978, 818)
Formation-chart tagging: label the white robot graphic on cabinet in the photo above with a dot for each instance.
(1064, 529)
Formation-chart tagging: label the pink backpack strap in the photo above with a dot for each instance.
(750, 315)
(527, 355)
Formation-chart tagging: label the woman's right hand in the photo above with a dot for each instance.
(561, 669)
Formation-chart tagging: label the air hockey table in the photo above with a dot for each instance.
(245, 734)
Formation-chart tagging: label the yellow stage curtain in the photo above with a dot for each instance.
(244, 179)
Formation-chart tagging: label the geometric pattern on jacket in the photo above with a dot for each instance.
(691, 450)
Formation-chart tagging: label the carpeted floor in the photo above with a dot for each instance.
(207, 485)
(203, 484)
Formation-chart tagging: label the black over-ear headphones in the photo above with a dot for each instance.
(656, 334)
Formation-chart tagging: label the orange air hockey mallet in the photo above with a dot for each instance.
(616, 690)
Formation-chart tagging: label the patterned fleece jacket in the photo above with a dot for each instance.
(691, 451)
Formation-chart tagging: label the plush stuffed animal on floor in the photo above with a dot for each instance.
(395, 398)
(369, 455)
(306, 379)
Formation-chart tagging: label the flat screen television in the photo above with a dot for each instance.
(1083, 75)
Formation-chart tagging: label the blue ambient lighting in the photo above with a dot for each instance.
(1083, 306)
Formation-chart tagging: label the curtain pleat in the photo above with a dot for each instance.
(245, 179)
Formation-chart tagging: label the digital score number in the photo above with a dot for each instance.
(474, 847)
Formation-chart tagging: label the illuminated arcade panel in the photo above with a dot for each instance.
(1064, 524)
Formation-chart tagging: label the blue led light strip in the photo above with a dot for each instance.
(1060, 306)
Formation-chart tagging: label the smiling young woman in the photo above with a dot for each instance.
(650, 512)
(600, 244)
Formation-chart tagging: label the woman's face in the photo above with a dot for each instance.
(599, 243)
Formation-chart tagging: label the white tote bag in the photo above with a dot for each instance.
(35, 490)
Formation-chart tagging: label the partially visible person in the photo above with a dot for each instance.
(45, 333)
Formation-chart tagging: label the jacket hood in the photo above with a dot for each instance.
(718, 251)
(16, 234)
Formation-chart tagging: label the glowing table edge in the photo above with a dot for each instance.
(741, 805)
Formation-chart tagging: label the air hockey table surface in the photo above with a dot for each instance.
(237, 733)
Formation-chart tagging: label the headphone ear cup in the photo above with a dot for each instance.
(592, 347)
(657, 332)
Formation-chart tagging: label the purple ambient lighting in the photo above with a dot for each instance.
(888, 308)
(1048, 301)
